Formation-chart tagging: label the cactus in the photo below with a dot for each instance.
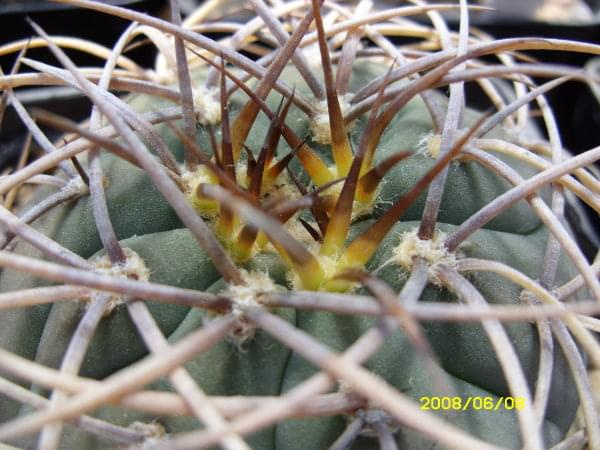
(310, 247)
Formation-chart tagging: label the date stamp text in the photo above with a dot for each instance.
(471, 403)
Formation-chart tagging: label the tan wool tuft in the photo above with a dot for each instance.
(209, 108)
(133, 268)
(430, 145)
(153, 433)
(430, 250)
(246, 296)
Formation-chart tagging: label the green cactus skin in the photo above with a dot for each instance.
(144, 222)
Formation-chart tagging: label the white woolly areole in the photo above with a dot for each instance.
(430, 145)
(246, 296)
(133, 268)
(431, 250)
(153, 433)
(319, 124)
(256, 283)
(210, 109)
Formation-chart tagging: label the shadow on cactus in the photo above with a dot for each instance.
(295, 237)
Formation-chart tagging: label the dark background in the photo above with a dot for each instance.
(58, 19)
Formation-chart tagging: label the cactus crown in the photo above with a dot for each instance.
(295, 167)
